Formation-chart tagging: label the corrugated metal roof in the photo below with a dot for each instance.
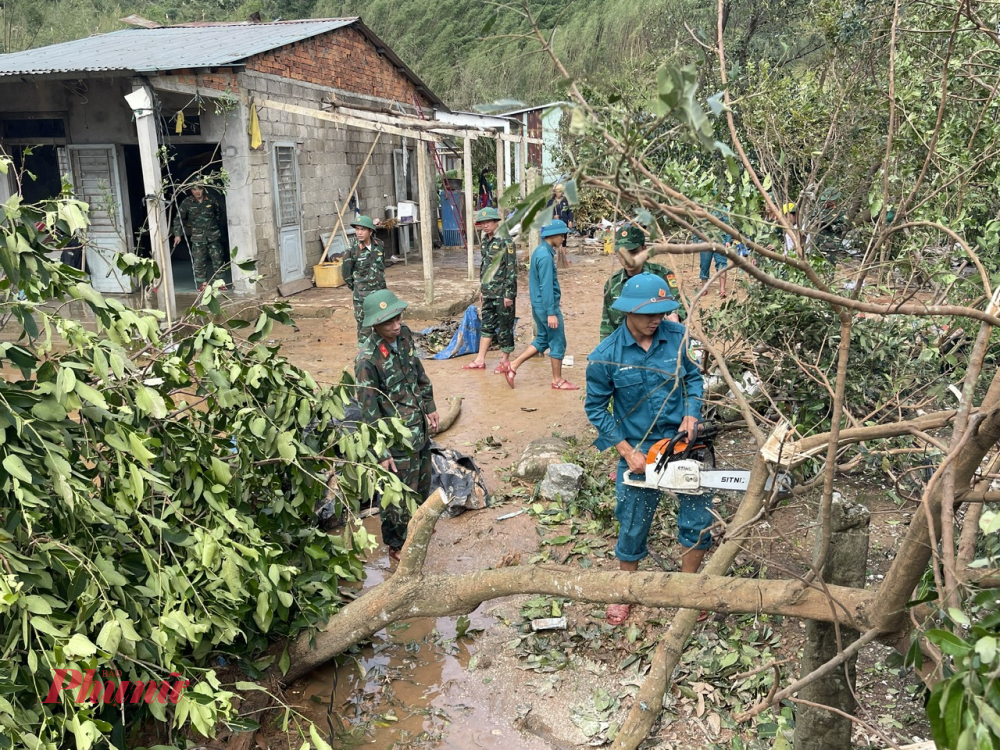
(166, 48)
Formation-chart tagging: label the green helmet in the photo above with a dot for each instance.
(363, 221)
(630, 238)
(487, 214)
(381, 306)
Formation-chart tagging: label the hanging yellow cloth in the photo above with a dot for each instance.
(253, 128)
(179, 127)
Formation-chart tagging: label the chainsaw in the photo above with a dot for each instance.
(680, 464)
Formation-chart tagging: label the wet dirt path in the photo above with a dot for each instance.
(411, 688)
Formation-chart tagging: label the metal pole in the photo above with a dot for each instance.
(426, 217)
(500, 173)
(470, 229)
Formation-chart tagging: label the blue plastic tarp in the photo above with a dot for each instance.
(466, 338)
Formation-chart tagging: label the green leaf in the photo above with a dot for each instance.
(79, 645)
(285, 661)
(221, 472)
(48, 410)
(37, 605)
(286, 448)
(151, 402)
(110, 637)
(317, 740)
(16, 467)
(948, 642)
(90, 395)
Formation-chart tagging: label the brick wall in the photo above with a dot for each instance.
(218, 81)
(342, 59)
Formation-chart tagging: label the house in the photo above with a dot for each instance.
(283, 116)
(545, 123)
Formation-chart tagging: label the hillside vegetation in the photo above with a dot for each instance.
(608, 43)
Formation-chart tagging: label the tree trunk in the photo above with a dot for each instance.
(846, 560)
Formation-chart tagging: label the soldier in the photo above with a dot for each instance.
(497, 291)
(363, 269)
(198, 219)
(392, 383)
(633, 241)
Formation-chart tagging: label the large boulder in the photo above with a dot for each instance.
(562, 482)
(538, 455)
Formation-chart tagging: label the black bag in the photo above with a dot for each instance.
(72, 254)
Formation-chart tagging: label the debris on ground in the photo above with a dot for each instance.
(562, 481)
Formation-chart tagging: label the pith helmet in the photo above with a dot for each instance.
(364, 221)
(630, 238)
(646, 294)
(381, 306)
(487, 214)
(556, 227)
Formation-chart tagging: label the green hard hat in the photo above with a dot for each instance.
(363, 221)
(487, 214)
(381, 306)
(630, 238)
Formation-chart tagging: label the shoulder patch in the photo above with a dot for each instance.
(384, 349)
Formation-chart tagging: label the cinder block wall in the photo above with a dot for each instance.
(345, 64)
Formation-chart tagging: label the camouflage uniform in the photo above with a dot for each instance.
(364, 273)
(611, 319)
(498, 321)
(392, 383)
(198, 222)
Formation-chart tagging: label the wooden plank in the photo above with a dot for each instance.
(470, 227)
(355, 122)
(294, 287)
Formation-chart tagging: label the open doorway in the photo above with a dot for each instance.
(186, 164)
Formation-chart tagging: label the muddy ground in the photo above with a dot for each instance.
(425, 684)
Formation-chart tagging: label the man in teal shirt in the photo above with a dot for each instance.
(543, 287)
(657, 392)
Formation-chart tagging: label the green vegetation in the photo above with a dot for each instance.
(157, 497)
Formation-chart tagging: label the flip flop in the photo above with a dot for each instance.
(473, 366)
(501, 368)
(702, 616)
(565, 385)
(509, 376)
(617, 613)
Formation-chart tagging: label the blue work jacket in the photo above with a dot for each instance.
(543, 283)
(652, 390)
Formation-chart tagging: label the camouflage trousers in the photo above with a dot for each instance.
(206, 260)
(359, 316)
(498, 323)
(414, 471)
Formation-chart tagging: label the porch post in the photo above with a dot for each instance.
(522, 152)
(500, 175)
(470, 228)
(141, 102)
(426, 217)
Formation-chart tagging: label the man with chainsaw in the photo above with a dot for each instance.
(657, 392)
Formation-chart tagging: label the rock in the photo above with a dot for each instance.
(562, 481)
(539, 455)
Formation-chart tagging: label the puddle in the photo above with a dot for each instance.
(408, 689)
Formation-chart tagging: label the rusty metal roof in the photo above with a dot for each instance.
(165, 48)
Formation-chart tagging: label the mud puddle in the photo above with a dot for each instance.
(409, 688)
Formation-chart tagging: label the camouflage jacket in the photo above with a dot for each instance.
(392, 383)
(198, 222)
(611, 319)
(503, 285)
(364, 268)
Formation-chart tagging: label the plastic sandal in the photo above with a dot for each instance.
(565, 385)
(501, 368)
(509, 376)
(617, 614)
(473, 366)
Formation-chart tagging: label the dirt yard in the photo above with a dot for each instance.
(486, 681)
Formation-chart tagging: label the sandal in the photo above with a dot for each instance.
(565, 385)
(509, 376)
(473, 366)
(702, 616)
(501, 368)
(617, 613)
(722, 295)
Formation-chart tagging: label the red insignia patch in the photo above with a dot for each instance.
(384, 349)
(663, 293)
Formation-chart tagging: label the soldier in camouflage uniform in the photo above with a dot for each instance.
(198, 220)
(633, 240)
(363, 269)
(392, 383)
(497, 291)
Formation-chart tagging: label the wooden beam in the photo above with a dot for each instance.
(350, 121)
(470, 229)
(521, 138)
(522, 171)
(426, 217)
